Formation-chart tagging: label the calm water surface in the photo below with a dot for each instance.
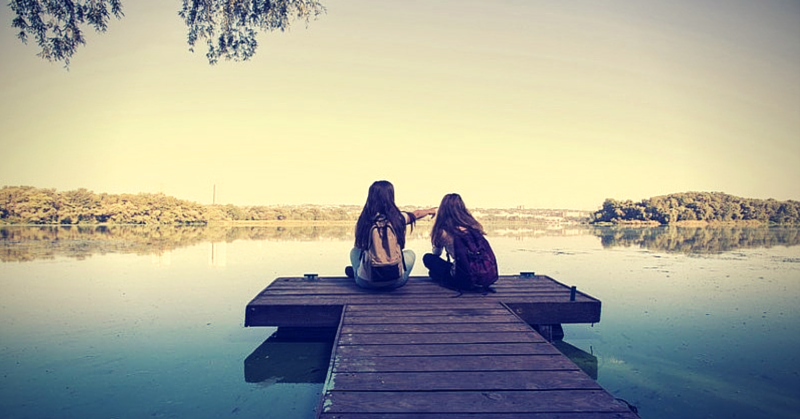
(131, 322)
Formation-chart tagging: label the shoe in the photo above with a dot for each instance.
(349, 272)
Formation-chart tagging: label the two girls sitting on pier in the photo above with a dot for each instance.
(379, 259)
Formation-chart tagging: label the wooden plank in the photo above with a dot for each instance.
(471, 415)
(418, 364)
(438, 338)
(419, 288)
(432, 328)
(415, 290)
(452, 308)
(307, 312)
(437, 349)
(340, 298)
(429, 302)
(398, 299)
(404, 310)
(473, 402)
(327, 315)
(464, 381)
(428, 319)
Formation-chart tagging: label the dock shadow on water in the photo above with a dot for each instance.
(554, 333)
(291, 355)
(585, 361)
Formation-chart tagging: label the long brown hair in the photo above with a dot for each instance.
(451, 214)
(380, 202)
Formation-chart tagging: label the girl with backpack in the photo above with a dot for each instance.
(379, 258)
(461, 236)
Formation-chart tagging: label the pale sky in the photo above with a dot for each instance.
(546, 104)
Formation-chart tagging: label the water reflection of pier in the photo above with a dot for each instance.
(218, 254)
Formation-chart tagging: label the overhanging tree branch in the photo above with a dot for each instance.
(56, 24)
(229, 27)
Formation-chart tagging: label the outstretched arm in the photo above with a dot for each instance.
(418, 214)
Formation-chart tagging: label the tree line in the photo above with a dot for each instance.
(30, 205)
(698, 206)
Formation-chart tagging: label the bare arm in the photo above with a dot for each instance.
(419, 214)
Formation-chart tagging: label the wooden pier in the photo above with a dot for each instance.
(423, 351)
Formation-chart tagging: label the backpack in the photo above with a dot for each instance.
(475, 266)
(383, 259)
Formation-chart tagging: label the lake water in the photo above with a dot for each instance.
(138, 322)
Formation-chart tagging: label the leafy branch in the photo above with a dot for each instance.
(229, 27)
(56, 24)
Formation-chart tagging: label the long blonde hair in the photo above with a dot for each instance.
(451, 214)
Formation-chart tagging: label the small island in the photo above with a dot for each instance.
(695, 208)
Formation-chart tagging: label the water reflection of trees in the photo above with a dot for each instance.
(27, 243)
(698, 239)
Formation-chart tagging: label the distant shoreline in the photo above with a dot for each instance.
(304, 223)
(695, 223)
